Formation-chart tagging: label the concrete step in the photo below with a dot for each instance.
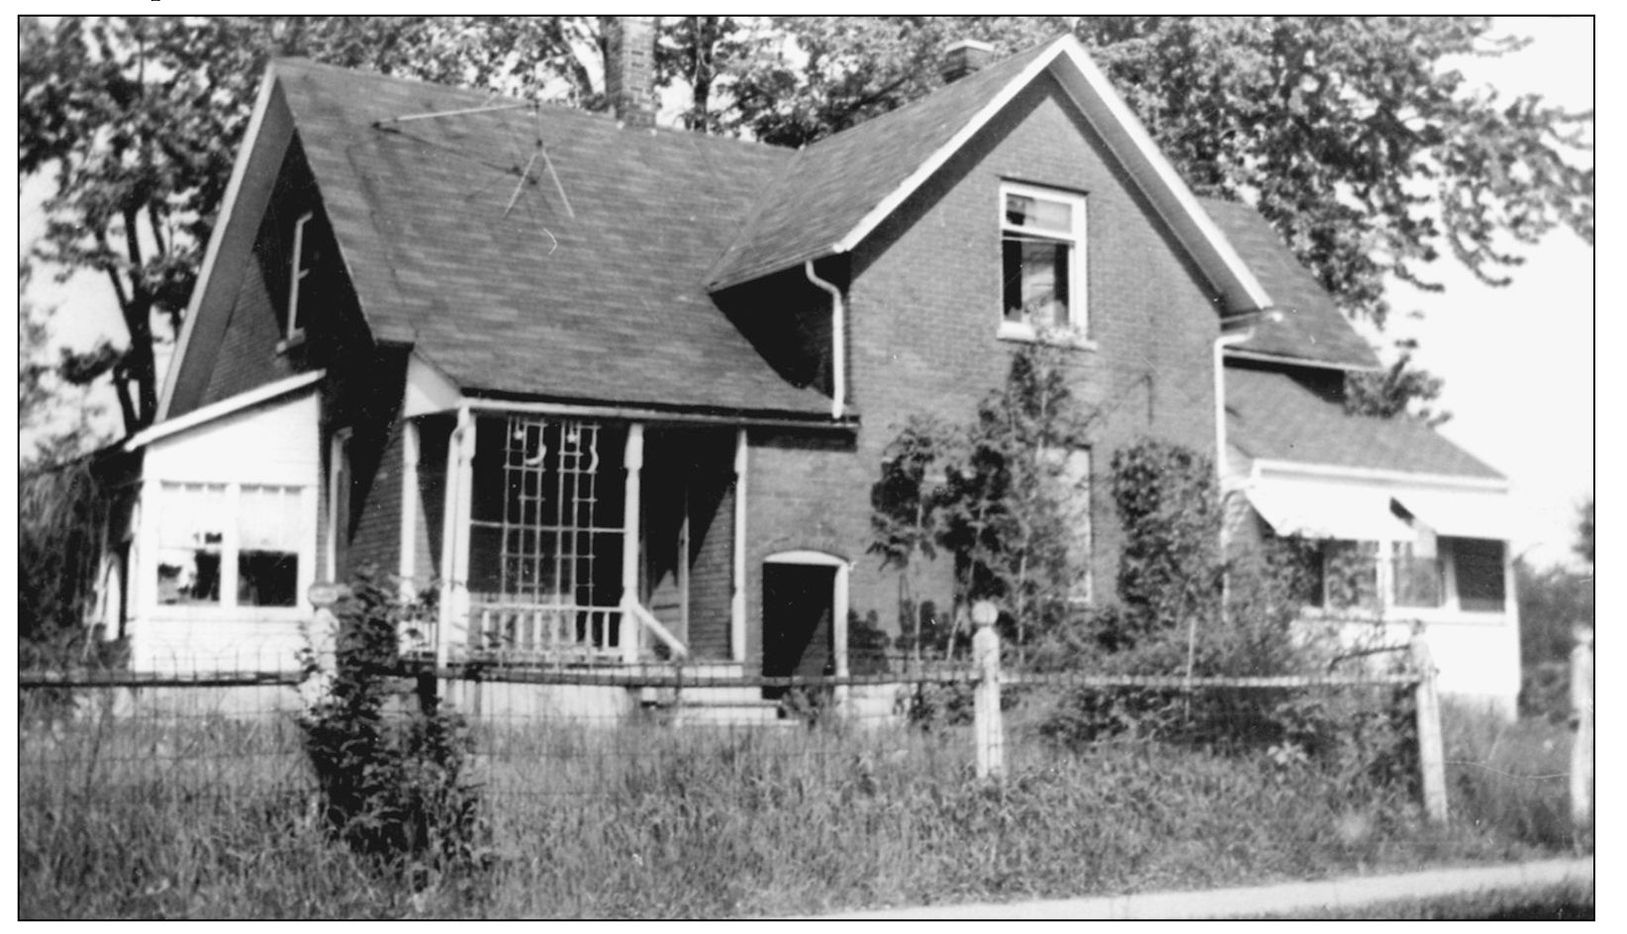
(763, 714)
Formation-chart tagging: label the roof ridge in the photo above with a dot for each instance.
(501, 97)
(979, 76)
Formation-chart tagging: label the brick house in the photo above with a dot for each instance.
(617, 393)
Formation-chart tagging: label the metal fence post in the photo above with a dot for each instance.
(1431, 754)
(986, 726)
(1581, 791)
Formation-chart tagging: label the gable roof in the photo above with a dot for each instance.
(830, 186)
(841, 188)
(1270, 415)
(1310, 327)
(459, 242)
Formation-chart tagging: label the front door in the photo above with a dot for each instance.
(797, 610)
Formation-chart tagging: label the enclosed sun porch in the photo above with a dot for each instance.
(548, 539)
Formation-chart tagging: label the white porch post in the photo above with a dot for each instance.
(408, 569)
(839, 631)
(737, 602)
(455, 536)
(634, 462)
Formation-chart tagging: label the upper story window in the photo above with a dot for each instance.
(302, 259)
(1042, 260)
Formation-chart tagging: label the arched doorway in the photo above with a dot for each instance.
(804, 616)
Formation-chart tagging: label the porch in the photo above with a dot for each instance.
(576, 541)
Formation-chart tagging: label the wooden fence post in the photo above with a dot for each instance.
(1431, 754)
(987, 729)
(1582, 721)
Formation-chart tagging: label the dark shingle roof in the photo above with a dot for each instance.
(833, 184)
(1271, 415)
(605, 305)
(1310, 326)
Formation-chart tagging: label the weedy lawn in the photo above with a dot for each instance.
(215, 818)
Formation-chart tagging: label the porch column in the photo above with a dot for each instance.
(634, 462)
(737, 602)
(838, 629)
(454, 604)
(408, 569)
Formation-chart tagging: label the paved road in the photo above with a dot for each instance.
(1270, 899)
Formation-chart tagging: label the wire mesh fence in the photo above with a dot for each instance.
(698, 790)
(582, 733)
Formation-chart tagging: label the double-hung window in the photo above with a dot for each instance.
(1042, 262)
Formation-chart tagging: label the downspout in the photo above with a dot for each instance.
(838, 341)
(1221, 343)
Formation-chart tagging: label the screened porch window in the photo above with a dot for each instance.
(546, 513)
(1418, 581)
(1477, 564)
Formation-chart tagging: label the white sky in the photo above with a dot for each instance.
(1518, 362)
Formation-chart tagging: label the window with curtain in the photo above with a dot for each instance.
(1041, 235)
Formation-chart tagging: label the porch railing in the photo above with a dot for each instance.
(508, 629)
(544, 630)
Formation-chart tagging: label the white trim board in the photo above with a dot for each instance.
(1262, 465)
(221, 409)
(217, 234)
(1135, 149)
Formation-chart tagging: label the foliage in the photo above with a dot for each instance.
(1002, 508)
(1401, 389)
(1169, 513)
(1584, 531)
(60, 514)
(648, 822)
(1553, 601)
(1354, 136)
(1510, 775)
(392, 791)
(137, 121)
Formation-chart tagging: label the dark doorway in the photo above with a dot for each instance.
(797, 637)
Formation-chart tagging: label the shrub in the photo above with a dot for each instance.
(392, 787)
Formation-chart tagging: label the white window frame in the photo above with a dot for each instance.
(296, 275)
(1077, 330)
(229, 551)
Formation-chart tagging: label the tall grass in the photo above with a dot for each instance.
(213, 818)
(1511, 776)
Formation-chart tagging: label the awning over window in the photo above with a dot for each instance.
(1328, 510)
(1461, 513)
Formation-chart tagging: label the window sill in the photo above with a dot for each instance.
(1022, 331)
(292, 341)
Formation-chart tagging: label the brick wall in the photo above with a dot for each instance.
(711, 559)
(376, 495)
(924, 305)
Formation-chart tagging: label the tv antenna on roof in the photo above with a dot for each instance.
(524, 172)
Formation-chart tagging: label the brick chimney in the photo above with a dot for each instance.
(964, 57)
(629, 69)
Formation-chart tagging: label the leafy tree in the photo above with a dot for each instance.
(1584, 531)
(137, 122)
(1002, 507)
(1399, 390)
(1353, 136)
